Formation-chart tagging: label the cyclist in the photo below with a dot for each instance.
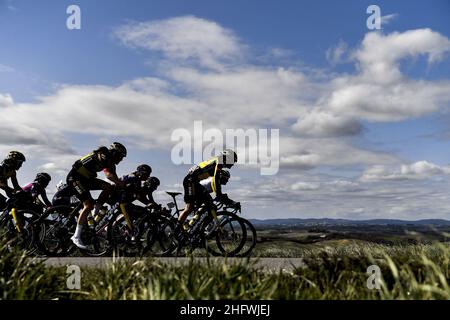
(131, 189)
(193, 190)
(207, 189)
(36, 189)
(149, 187)
(8, 169)
(133, 182)
(63, 195)
(83, 177)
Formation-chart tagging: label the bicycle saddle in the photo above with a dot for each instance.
(173, 194)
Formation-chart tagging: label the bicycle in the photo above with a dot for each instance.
(57, 225)
(17, 223)
(220, 234)
(251, 239)
(128, 228)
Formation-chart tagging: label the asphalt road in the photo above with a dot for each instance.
(267, 264)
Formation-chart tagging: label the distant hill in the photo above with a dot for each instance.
(334, 222)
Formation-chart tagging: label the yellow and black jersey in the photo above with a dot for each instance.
(94, 162)
(209, 168)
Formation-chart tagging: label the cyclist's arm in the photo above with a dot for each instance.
(142, 198)
(44, 197)
(15, 183)
(111, 175)
(4, 185)
(149, 198)
(215, 182)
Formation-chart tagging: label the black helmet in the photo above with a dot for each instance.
(16, 158)
(43, 177)
(224, 176)
(118, 148)
(144, 170)
(229, 157)
(152, 183)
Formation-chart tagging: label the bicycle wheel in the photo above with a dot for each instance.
(227, 238)
(54, 232)
(250, 239)
(24, 239)
(123, 241)
(96, 241)
(161, 240)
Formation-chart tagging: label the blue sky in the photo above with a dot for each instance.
(343, 151)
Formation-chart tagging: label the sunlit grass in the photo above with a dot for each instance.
(332, 272)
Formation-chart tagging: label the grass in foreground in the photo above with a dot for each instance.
(408, 272)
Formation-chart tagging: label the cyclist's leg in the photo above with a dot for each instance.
(189, 198)
(2, 202)
(106, 190)
(81, 190)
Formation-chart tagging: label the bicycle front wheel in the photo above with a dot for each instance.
(250, 239)
(226, 236)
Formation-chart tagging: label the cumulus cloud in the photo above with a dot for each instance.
(310, 153)
(322, 196)
(185, 38)
(338, 54)
(379, 91)
(6, 100)
(325, 124)
(379, 55)
(204, 75)
(418, 170)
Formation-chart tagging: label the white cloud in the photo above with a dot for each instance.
(323, 196)
(394, 102)
(324, 124)
(184, 38)
(418, 170)
(379, 91)
(388, 18)
(379, 55)
(6, 100)
(338, 54)
(305, 186)
(236, 94)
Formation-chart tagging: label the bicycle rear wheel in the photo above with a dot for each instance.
(161, 241)
(125, 242)
(54, 232)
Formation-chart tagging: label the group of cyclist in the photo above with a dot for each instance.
(201, 180)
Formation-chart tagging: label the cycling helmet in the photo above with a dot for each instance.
(61, 185)
(144, 170)
(229, 157)
(224, 176)
(43, 177)
(16, 158)
(152, 183)
(118, 148)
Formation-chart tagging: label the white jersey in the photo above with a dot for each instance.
(207, 184)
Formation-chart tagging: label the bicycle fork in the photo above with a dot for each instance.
(214, 214)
